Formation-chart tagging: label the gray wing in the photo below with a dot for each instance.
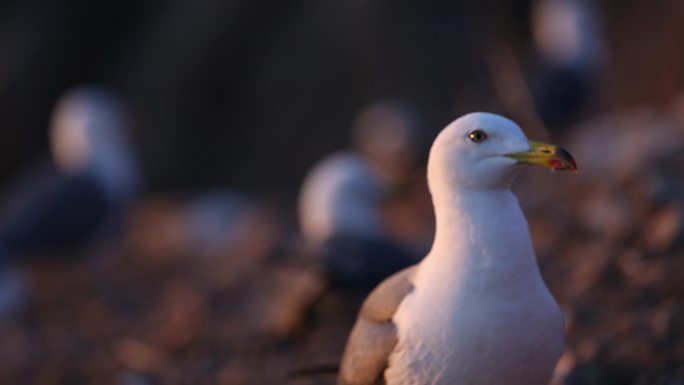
(374, 335)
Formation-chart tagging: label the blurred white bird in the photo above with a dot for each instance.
(567, 37)
(341, 200)
(81, 195)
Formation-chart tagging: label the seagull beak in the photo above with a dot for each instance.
(546, 155)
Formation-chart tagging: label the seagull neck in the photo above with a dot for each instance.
(480, 227)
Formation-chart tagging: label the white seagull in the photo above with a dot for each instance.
(475, 310)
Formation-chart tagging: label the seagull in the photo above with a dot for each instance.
(341, 195)
(341, 201)
(475, 310)
(567, 38)
(83, 193)
(63, 206)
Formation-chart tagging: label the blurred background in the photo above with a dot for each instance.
(152, 158)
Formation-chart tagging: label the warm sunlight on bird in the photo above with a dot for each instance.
(475, 310)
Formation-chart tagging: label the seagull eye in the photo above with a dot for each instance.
(477, 136)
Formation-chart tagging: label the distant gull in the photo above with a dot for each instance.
(341, 200)
(567, 38)
(62, 206)
(93, 177)
(475, 310)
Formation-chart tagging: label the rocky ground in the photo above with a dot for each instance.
(156, 310)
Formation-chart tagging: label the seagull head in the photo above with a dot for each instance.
(88, 124)
(483, 151)
(89, 133)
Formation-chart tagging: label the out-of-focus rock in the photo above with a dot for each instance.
(140, 356)
(181, 315)
(639, 271)
(224, 234)
(563, 367)
(96, 320)
(663, 229)
(286, 300)
(252, 240)
(134, 378)
(588, 264)
(154, 232)
(607, 213)
(232, 374)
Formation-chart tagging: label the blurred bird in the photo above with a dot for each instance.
(475, 310)
(94, 179)
(82, 194)
(567, 37)
(341, 200)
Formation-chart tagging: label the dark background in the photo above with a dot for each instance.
(249, 93)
